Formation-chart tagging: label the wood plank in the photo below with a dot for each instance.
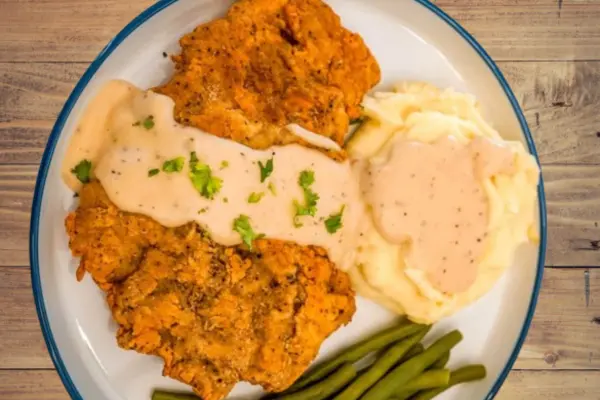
(16, 193)
(62, 30)
(31, 385)
(71, 30)
(560, 102)
(530, 385)
(559, 98)
(558, 4)
(21, 341)
(531, 32)
(551, 385)
(573, 200)
(565, 331)
(31, 96)
(563, 334)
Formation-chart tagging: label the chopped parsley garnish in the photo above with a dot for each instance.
(202, 210)
(153, 172)
(242, 226)
(147, 123)
(224, 164)
(225, 200)
(306, 179)
(83, 171)
(255, 197)
(174, 165)
(334, 222)
(272, 189)
(202, 179)
(266, 169)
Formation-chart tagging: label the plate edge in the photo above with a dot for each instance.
(97, 63)
(40, 183)
(541, 194)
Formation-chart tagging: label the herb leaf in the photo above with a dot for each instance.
(242, 226)
(305, 180)
(272, 188)
(224, 164)
(174, 165)
(202, 179)
(148, 122)
(265, 170)
(334, 222)
(153, 172)
(255, 197)
(83, 171)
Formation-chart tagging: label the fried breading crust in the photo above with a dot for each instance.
(215, 314)
(269, 63)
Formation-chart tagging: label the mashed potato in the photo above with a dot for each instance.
(419, 112)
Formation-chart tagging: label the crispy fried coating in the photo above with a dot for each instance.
(215, 314)
(269, 63)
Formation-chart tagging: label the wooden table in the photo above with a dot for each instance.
(548, 49)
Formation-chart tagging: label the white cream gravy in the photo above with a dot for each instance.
(122, 154)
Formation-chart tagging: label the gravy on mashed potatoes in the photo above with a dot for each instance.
(450, 201)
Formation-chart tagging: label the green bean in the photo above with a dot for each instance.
(466, 374)
(432, 379)
(414, 351)
(381, 367)
(441, 363)
(327, 387)
(162, 395)
(412, 368)
(403, 393)
(356, 352)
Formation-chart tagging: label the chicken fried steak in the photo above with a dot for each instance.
(216, 315)
(267, 64)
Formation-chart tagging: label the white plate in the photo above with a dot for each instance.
(411, 39)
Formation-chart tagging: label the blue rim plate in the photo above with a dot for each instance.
(89, 74)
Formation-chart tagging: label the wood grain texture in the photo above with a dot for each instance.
(16, 192)
(557, 4)
(67, 30)
(573, 200)
(62, 30)
(31, 385)
(551, 385)
(530, 32)
(560, 100)
(21, 341)
(565, 331)
(564, 334)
